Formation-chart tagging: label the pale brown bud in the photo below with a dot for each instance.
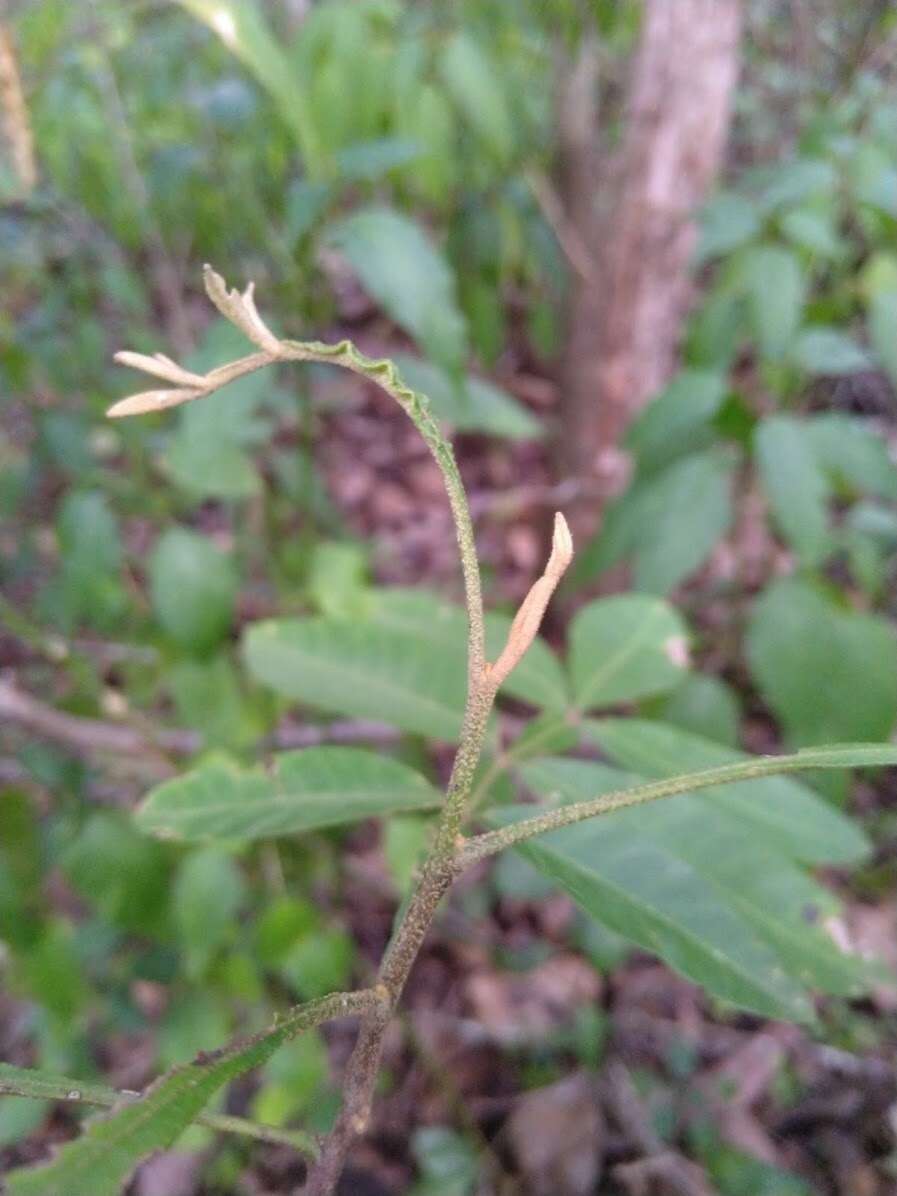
(529, 617)
(152, 400)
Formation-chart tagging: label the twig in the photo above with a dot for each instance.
(85, 736)
(678, 1173)
(89, 736)
(14, 112)
(568, 237)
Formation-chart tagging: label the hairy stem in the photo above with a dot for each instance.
(17, 1081)
(445, 859)
(484, 845)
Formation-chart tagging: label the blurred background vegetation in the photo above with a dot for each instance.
(643, 259)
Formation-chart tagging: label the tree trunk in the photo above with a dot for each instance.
(626, 320)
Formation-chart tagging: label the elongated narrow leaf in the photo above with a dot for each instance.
(626, 647)
(775, 288)
(406, 273)
(362, 670)
(761, 884)
(39, 1085)
(193, 588)
(474, 83)
(781, 811)
(823, 350)
(242, 27)
(320, 786)
(667, 523)
(674, 423)
(470, 405)
(45, 1086)
(855, 454)
(101, 1160)
(795, 484)
(643, 891)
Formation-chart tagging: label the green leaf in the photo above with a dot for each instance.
(640, 889)
(814, 229)
(361, 670)
(882, 313)
(208, 893)
(120, 874)
(372, 159)
(470, 405)
(211, 467)
(21, 871)
(193, 587)
(754, 880)
(625, 647)
(101, 1160)
(704, 705)
(538, 679)
(337, 580)
(474, 84)
(821, 350)
(242, 27)
(19, 1119)
(447, 1161)
(43, 1086)
(774, 809)
(90, 546)
(854, 454)
(670, 424)
(879, 283)
(408, 276)
(319, 963)
(726, 222)
(774, 286)
(795, 484)
(793, 181)
(668, 523)
(207, 696)
(404, 843)
(52, 970)
(426, 117)
(874, 179)
(207, 452)
(303, 790)
(829, 674)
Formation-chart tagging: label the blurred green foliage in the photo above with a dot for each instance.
(397, 145)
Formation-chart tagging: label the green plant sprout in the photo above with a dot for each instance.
(101, 1160)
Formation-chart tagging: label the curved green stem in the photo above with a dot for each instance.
(850, 756)
(444, 861)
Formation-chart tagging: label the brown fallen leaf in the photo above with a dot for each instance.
(557, 1135)
(527, 1006)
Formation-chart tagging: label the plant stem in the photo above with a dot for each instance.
(484, 845)
(24, 1082)
(443, 865)
(438, 873)
(445, 859)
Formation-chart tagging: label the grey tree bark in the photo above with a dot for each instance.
(636, 212)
